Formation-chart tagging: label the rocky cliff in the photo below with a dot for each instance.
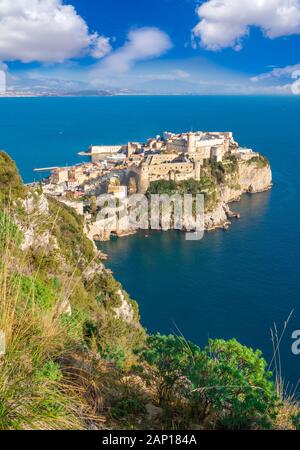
(252, 176)
(218, 218)
(255, 176)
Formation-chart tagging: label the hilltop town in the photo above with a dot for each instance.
(222, 168)
(171, 157)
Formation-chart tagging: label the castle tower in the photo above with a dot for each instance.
(226, 144)
(217, 153)
(130, 150)
(191, 143)
(144, 181)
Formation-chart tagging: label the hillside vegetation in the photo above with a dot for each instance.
(76, 355)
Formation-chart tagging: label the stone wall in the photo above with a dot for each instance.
(166, 168)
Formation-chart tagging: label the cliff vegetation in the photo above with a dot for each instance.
(74, 354)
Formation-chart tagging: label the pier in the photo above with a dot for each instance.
(45, 169)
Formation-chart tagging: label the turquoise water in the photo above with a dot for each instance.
(230, 284)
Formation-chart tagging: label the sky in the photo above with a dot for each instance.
(156, 46)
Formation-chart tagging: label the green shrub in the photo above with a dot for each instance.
(231, 164)
(130, 406)
(114, 339)
(46, 263)
(68, 230)
(260, 161)
(9, 232)
(172, 358)
(227, 385)
(207, 185)
(11, 185)
(75, 324)
(106, 290)
(244, 395)
(50, 371)
(218, 171)
(162, 187)
(33, 289)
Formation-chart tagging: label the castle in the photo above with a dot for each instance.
(175, 157)
(181, 156)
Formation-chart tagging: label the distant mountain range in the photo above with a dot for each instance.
(99, 92)
(56, 87)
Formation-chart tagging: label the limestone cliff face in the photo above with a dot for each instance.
(93, 232)
(125, 310)
(217, 218)
(229, 194)
(250, 178)
(36, 210)
(253, 178)
(36, 229)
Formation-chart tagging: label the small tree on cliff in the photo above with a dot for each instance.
(240, 389)
(226, 385)
(171, 359)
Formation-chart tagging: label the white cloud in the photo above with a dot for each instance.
(281, 89)
(101, 48)
(181, 74)
(3, 66)
(142, 44)
(223, 23)
(173, 75)
(46, 31)
(277, 72)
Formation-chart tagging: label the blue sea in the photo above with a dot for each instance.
(231, 284)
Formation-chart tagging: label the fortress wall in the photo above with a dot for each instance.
(184, 176)
(203, 152)
(166, 168)
(180, 171)
(172, 176)
(163, 158)
(177, 146)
